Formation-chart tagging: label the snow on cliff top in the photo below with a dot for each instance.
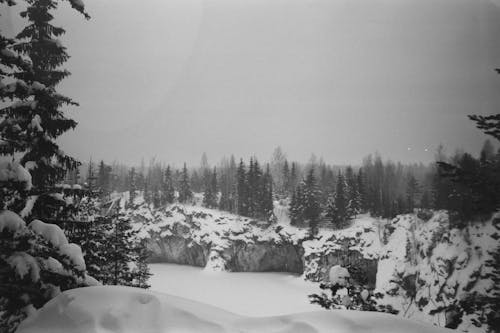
(210, 226)
(362, 235)
(131, 310)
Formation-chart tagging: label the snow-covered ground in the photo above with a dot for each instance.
(251, 294)
(130, 310)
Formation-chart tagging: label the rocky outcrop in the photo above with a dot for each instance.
(420, 264)
(263, 257)
(367, 268)
(178, 250)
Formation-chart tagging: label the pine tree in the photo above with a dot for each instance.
(92, 236)
(168, 187)
(185, 194)
(339, 208)
(29, 128)
(126, 254)
(287, 188)
(412, 190)
(297, 205)
(242, 190)
(266, 204)
(132, 179)
(294, 176)
(352, 192)
(362, 191)
(312, 208)
(425, 200)
(104, 178)
(34, 267)
(39, 120)
(210, 194)
(256, 190)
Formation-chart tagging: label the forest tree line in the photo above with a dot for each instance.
(316, 192)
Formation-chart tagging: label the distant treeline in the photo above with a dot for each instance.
(316, 192)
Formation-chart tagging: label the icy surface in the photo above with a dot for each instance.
(251, 294)
(123, 309)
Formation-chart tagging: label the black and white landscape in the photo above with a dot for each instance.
(249, 166)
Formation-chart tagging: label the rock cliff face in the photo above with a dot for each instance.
(263, 257)
(423, 267)
(178, 250)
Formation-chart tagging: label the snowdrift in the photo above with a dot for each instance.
(124, 309)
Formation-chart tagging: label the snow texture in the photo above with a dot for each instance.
(74, 252)
(339, 275)
(131, 310)
(11, 221)
(51, 232)
(15, 172)
(24, 264)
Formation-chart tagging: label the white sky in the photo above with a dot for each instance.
(340, 78)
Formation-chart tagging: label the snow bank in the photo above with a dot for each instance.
(124, 309)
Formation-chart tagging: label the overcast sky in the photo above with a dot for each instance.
(340, 78)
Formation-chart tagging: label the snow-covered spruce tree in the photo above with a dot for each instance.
(132, 186)
(168, 189)
(126, 255)
(92, 234)
(36, 264)
(311, 205)
(210, 193)
(348, 290)
(412, 190)
(339, 210)
(296, 205)
(36, 121)
(185, 193)
(267, 204)
(13, 187)
(242, 190)
(362, 194)
(352, 192)
(104, 178)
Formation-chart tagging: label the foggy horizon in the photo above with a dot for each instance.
(340, 79)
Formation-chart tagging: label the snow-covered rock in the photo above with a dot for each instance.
(421, 266)
(339, 275)
(131, 310)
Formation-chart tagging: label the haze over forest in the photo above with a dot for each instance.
(340, 79)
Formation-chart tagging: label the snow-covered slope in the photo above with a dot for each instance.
(130, 310)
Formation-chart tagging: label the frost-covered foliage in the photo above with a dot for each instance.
(348, 294)
(113, 251)
(433, 272)
(37, 263)
(33, 118)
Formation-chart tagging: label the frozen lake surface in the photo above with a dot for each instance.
(251, 294)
